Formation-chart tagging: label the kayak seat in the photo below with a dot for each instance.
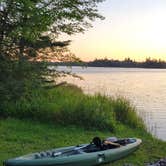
(100, 145)
(97, 141)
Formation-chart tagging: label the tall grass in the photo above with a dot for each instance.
(68, 105)
(126, 113)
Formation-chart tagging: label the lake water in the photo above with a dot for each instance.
(145, 88)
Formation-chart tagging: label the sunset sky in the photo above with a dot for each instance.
(132, 28)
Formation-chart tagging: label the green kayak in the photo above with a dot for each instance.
(95, 153)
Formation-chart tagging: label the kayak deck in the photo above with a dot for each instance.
(79, 149)
(81, 155)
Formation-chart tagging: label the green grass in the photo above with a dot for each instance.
(68, 105)
(65, 116)
(20, 137)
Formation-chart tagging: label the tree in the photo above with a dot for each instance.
(24, 21)
(29, 30)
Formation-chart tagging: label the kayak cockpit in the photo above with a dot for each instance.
(112, 143)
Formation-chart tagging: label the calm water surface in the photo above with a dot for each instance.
(145, 88)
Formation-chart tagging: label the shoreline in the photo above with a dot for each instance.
(34, 132)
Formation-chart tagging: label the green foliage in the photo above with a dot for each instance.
(28, 32)
(68, 105)
(19, 79)
(24, 21)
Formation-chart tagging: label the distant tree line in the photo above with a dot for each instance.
(127, 63)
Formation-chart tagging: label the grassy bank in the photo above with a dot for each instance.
(65, 116)
(20, 137)
(68, 105)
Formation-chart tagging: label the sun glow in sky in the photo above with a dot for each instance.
(132, 28)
